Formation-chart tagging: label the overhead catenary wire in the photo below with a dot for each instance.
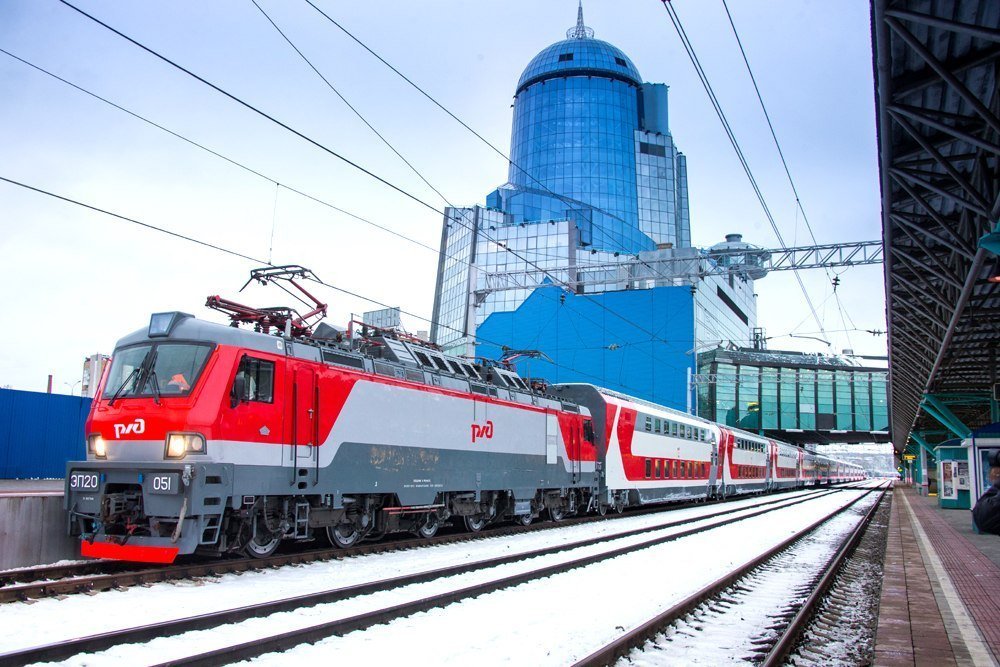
(353, 164)
(607, 234)
(229, 160)
(781, 154)
(201, 146)
(257, 261)
(347, 103)
(717, 106)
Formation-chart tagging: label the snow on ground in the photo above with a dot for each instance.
(58, 563)
(52, 620)
(551, 621)
(563, 618)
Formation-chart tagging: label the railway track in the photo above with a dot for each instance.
(95, 576)
(591, 550)
(843, 626)
(772, 580)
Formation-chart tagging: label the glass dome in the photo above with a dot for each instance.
(576, 56)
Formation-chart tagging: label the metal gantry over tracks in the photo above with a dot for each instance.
(634, 272)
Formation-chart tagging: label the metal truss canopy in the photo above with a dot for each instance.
(936, 64)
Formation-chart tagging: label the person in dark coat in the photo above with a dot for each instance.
(986, 513)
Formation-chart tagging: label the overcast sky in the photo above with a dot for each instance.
(74, 281)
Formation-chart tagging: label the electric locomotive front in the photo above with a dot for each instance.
(155, 481)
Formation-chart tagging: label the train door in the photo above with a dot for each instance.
(770, 459)
(551, 438)
(303, 455)
(713, 470)
(575, 446)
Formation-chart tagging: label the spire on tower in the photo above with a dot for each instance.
(579, 31)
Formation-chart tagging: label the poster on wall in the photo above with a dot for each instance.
(948, 480)
(962, 475)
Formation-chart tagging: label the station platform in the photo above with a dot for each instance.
(940, 601)
(33, 523)
(31, 487)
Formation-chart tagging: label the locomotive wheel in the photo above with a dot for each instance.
(602, 509)
(343, 535)
(523, 520)
(429, 527)
(475, 522)
(256, 549)
(557, 513)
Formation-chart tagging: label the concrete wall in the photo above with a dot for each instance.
(33, 531)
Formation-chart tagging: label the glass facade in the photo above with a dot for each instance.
(793, 396)
(451, 299)
(595, 204)
(575, 136)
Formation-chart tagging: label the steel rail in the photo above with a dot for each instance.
(64, 649)
(40, 585)
(54, 572)
(611, 652)
(322, 631)
(800, 621)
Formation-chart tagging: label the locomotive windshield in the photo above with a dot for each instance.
(160, 369)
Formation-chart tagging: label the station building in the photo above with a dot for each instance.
(795, 396)
(585, 252)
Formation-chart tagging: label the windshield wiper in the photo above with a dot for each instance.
(151, 375)
(118, 392)
(138, 373)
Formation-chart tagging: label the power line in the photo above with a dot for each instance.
(250, 258)
(781, 154)
(217, 154)
(136, 222)
(254, 109)
(351, 163)
(703, 77)
(311, 197)
(231, 161)
(563, 198)
(349, 105)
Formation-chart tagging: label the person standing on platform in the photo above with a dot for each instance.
(986, 513)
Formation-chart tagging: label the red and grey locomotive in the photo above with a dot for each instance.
(212, 439)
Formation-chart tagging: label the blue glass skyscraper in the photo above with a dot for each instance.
(595, 199)
(582, 116)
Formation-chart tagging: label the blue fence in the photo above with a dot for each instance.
(39, 433)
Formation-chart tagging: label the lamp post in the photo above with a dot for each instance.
(72, 387)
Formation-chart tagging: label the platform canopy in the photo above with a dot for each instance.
(936, 65)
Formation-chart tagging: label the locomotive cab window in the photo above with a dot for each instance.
(254, 381)
(160, 369)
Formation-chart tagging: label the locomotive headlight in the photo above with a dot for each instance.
(97, 446)
(180, 445)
